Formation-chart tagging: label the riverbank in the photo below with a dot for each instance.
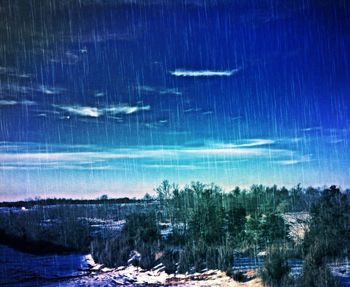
(36, 247)
(24, 269)
(134, 276)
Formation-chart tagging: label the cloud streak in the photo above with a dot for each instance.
(14, 103)
(49, 90)
(82, 111)
(159, 90)
(25, 89)
(8, 103)
(204, 73)
(294, 161)
(246, 143)
(95, 112)
(14, 155)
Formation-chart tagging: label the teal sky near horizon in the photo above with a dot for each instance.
(112, 97)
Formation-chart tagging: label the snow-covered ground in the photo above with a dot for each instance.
(133, 276)
(103, 227)
(22, 269)
(298, 223)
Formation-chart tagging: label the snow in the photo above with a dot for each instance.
(298, 223)
(135, 276)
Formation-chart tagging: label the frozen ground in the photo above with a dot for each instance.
(22, 269)
(133, 276)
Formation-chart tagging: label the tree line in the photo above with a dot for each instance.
(103, 199)
(207, 226)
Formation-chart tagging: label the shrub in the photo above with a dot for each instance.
(140, 233)
(315, 271)
(275, 271)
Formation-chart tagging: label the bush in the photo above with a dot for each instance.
(170, 260)
(276, 270)
(140, 233)
(197, 255)
(327, 237)
(315, 271)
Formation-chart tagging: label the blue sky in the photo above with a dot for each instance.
(112, 99)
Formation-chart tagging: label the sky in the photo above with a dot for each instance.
(112, 97)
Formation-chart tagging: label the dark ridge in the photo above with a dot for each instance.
(54, 201)
(35, 247)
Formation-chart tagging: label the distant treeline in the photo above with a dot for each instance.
(60, 201)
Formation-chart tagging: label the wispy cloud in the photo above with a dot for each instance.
(16, 88)
(13, 103)
(125, 109)
(6, 70)
(192, 110)
(158, 90)
(173, 166)
(296, 160)
(95, 112)
(81, 111)
(8, 103)
(25, 89)
(207, 113)
(49, 90)
(13, 72)
(312, 129)
(204, 73)
(170, 92)
(83, 157)
(27, 103)
(246, 143)
(98, 94)
(252, 153)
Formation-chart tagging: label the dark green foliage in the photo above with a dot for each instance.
(147, 197)
(170, 260)
(328, 237)
(252, 234)
(207, 220)
(208, 224)
(141, 228)
(330, 225)
(140, 233)
(274, 228)
(276, 269)
(315, 271)
(197, 255)
(236, 219)
(262, 230)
